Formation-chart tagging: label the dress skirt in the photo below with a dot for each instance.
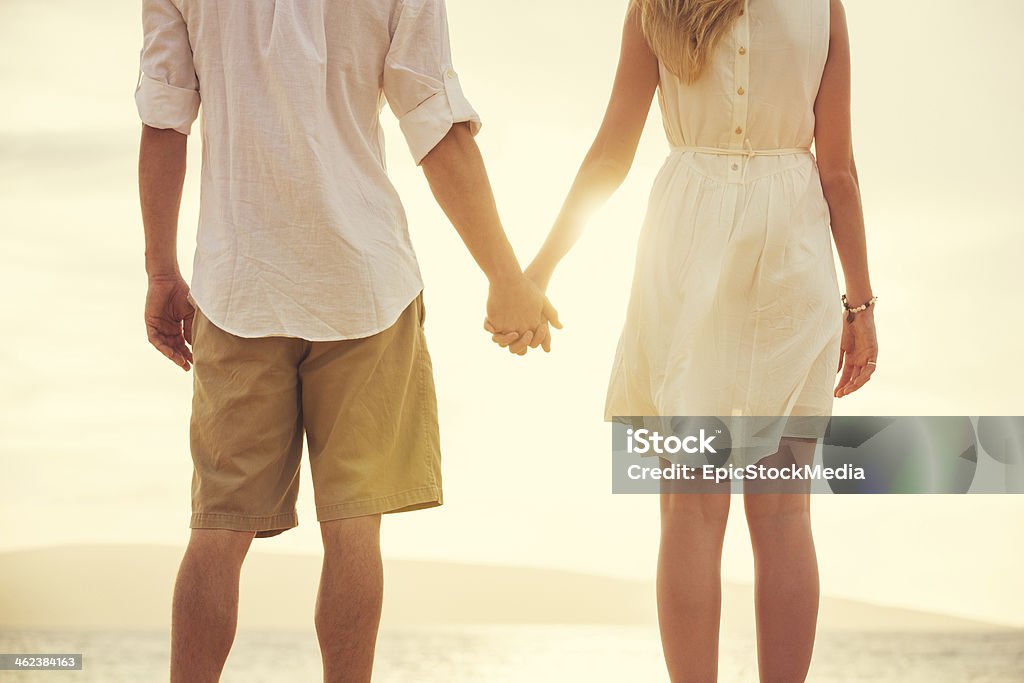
(735, 307)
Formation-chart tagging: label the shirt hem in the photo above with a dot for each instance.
(390, 318)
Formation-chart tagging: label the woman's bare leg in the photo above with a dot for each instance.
(690, 582)
(786, 569)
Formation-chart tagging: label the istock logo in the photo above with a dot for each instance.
(644, 441)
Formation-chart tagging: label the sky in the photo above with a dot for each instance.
(93, 422)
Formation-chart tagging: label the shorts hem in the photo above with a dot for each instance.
(263, 525)
(405, 501)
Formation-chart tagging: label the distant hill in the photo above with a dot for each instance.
(129, 586)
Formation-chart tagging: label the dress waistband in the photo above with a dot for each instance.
(743, 152)
(746, 151)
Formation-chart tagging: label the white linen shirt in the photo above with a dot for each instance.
(301, 234)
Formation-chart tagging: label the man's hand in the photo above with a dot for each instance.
(169, 317)
(161, 175)
(519, 316)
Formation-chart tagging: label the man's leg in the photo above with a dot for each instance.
(246, 443)
(365, 462)
(205, 611)
(349, 602)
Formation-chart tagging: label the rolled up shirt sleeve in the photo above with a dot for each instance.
(167, 94)
(420, 83)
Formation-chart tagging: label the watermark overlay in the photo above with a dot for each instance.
(839, 454)
(40, 662)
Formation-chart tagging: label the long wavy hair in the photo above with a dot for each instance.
(684, 33)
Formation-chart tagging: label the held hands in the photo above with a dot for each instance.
(519, 316)
(169, 316)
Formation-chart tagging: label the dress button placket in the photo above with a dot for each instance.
(741, 71)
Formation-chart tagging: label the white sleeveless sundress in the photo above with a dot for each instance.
(735, 306)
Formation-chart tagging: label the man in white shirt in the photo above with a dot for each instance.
(305, 312)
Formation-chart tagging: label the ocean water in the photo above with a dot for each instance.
(506, 654)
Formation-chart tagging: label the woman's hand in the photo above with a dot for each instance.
(858, 352)
(540, 277)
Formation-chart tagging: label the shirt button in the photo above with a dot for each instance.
(739, 130)
(740, 91)
(451, 73)
(743, 50)
(742, 12)
(735, 167)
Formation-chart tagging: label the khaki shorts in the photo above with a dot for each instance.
(367, 408)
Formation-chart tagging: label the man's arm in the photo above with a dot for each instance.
(161, 178)
(457, 176)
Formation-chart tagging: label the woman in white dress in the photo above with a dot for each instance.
(735, 306)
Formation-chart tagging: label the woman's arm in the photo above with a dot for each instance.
(833, 142)
(611, 155)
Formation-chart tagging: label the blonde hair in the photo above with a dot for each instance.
(684, 33)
